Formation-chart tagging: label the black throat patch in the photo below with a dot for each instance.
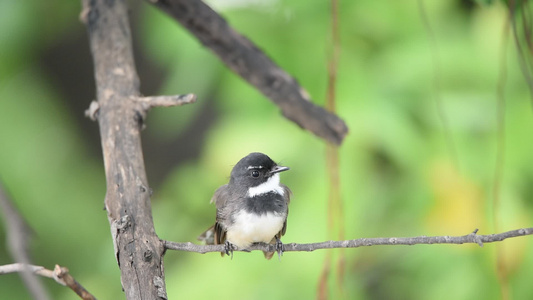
(264, 203)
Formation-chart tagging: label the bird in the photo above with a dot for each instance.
(251, 208)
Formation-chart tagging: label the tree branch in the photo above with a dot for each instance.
(472, 238)
(59, 274)
(62, 273)
(247, 60)
(120, 111)
(166, 101)
(18, 236)
(147, 103)
(19, 267)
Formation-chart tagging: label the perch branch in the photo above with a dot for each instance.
(59, 274)
(247, 60)
(472, 238)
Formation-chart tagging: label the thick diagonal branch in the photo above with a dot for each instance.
(247, 60)
(472, 238)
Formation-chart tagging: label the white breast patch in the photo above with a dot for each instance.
(251, 228)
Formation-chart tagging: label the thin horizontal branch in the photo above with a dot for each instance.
(59, 274)
(166, 101)
(472, 238)
(19, 267)
(246, 59)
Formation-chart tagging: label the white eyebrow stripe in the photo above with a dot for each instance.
(255, 167)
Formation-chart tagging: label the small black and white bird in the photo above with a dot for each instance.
(252, 207)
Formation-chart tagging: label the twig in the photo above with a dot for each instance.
(147, 103)
(19, 267)
(18, 235)
(166, 101)
(472, 238)
(59, 274)
(247, 60)
(62, 274)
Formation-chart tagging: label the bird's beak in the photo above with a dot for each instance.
(278, 169)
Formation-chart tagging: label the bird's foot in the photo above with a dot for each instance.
(228, 248)
(279, 248)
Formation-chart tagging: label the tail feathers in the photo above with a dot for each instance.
(208, 236)
(274, 241)
(268, 255)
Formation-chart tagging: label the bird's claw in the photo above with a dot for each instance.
(279, 248)
(228, 248)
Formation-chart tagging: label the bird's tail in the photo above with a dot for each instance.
(268, 255)
(208, 237)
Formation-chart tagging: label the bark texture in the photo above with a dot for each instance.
(138, 250)
(246, 59)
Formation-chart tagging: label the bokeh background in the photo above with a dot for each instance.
(420, 99)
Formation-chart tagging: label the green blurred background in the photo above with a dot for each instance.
(399, 175)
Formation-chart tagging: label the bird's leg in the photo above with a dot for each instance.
(228, 248)
(279, 247)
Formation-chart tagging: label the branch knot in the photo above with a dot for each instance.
(93, 110)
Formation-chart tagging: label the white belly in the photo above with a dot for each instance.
(251, 228)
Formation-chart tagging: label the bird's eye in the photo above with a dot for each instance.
(255, 173)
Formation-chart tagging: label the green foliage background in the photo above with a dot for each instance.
(398, 174)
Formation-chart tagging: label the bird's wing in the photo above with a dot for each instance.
(220, 196)
(220, 234)
(287, 195)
